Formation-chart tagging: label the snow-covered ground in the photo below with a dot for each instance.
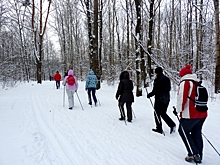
(35, 129)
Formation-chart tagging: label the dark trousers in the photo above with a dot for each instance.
(92, 90)
(193, 132)
(129, 110)
(161, 112)
(58, 84)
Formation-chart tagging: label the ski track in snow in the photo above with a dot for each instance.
(46, 133)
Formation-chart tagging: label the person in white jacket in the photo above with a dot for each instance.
(191, 120)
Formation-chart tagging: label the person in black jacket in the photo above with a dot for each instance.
(161, 91)
(125, 95)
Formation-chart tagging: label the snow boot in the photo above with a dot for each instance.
(121, 118)
(189, 159)
(172, 129)
(157, 130)
(197, 159)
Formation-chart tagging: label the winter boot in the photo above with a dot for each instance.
(121, 118)
(189, 159)
(157, 130)
(172, 129)
(129, 120)
(197, 159)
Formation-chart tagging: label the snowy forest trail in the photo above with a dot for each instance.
(37, 130)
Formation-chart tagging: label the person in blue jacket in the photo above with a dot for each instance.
(91, 82)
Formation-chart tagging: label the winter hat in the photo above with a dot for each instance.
(185, 70)
(158, 70)
(91, 72)
(70, 72)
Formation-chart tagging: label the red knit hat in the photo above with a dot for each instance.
(185, 70)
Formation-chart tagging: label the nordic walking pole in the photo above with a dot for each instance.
(155, 113)
(79, 100)
(175, 113)
(64, 95)
(211, 144)
(98, 99)
(133, 113)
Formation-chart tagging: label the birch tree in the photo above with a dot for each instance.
(138, 37)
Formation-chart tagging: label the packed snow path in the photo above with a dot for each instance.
(37, 130)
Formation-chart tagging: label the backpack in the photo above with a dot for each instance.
(70, 80)
(201, 97)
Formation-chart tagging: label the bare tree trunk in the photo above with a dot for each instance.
(150, 38)
(89, 32)
(100, 37)
(95, 61)
(217, 41)
(138, 37)
(171, 35)
(200, 34)
(128, 29)
(39, 44)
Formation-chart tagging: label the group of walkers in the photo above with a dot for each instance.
(71, 84)
(190, 122)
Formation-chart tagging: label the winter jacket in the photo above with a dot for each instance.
(73, 87)
(185, 106)
(91, 80)
(125, 88)
(161, 89)
(57, 77)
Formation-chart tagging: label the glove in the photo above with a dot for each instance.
(149, 95)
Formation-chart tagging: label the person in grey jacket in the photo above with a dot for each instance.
(91, 82)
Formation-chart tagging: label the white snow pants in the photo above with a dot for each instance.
(70, 95)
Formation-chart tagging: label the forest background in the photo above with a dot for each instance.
(39, 37)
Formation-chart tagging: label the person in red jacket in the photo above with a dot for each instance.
(57, 78)
(191, 120)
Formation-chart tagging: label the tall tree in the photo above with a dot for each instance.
(217, 42)
(94, 63)
(150, 36)
(39, 35)
(138, 37)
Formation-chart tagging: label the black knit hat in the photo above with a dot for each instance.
(158, 70)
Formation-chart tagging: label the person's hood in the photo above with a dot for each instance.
(190, 77)
(70, 72)
(91, 72)
(124, 75)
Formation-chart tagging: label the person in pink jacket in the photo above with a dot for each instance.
(191, 120)
(70, 89)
